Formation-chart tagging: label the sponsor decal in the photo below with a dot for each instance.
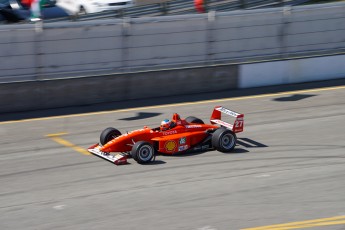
(193, 126)
(182, 141)
(169, 132)
(182, 148)
(170, 146)
(229, 112)
(223, 123)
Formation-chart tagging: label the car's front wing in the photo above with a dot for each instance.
(118, 159)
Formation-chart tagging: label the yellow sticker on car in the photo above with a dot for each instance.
(170, 146)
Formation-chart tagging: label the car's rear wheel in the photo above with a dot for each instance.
(108, 134)
(224, 140)
(195, 120)
(142, 152)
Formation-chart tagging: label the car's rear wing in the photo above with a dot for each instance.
(216, 118)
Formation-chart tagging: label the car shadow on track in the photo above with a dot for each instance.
(238, 151)
(250, 143)
(242, 146)
(156, 162)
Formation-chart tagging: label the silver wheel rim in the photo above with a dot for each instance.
(227, 141)
(145, 153)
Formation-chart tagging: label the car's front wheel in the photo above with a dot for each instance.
(108, 134)
(142, 152)
(224, 140)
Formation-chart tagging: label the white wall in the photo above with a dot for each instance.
(291, 71)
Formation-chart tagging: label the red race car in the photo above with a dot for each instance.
(172, 137)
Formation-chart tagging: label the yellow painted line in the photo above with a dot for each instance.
(177, 104)
(56, 137)
(56, 134)
(342, 222)
(337, 220)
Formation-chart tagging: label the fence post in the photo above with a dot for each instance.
(164, 7)
(243, 4)
(38, 51)
(120, 13)
(285, 26)
(211, 17)
(206, 5)
(126, 24)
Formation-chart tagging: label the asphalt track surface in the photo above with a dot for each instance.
(289, 169)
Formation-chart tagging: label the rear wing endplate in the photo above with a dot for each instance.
(216, 118)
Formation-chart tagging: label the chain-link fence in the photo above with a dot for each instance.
(59, 50)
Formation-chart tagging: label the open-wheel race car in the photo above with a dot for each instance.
(172, 137)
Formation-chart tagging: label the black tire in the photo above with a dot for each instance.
(142, 152)
(224, 140)
(195, 120)
(108, 134)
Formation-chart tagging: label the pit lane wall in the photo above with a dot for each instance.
(45, 94)
(291, 71)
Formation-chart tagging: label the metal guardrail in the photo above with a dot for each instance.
(177, 7)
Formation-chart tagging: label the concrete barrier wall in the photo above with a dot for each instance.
(291, 71)
(118, 46)
(34, 95)
(45, 94)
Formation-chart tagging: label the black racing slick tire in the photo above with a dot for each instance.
(108, 134)
(195, 120)
(224, 140)
(142, 152)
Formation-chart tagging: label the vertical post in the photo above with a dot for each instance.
(211, 17)
(285, 27)
(206, 5)
(164, 7)
(38, 51)
(243, 4)
(126, 24)
(120, 13)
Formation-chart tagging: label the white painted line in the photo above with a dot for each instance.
(59, 207)
(262, 175)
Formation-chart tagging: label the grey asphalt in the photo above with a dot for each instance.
(289, 166)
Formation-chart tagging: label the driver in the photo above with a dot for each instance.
(167, 124)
